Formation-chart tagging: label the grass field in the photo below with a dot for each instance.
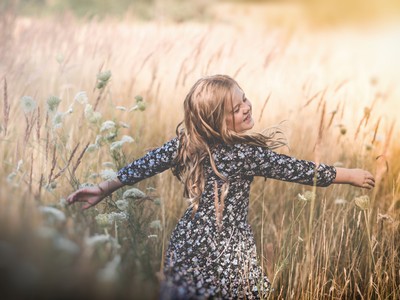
(81, 98)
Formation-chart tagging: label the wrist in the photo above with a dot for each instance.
(109, 186)
(344, 175)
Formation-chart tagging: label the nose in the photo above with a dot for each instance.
(247, 108)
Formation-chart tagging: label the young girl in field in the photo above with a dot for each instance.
(212, 253)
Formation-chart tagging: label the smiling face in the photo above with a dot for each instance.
(238, 114)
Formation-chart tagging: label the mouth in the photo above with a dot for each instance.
(248, 118)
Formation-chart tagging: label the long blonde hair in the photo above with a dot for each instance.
(204, 125)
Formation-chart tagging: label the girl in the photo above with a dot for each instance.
(212, 252)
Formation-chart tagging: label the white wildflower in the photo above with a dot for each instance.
(93, 176)
(57, 120)
(307, 196)
(46, 232)
(111, 136)
(107, 125)
(11, 177)
(19, 165)
(66, 245)
(92, 148)
(52, 104)
(99, 140)
(339, 201)
(108, 174)
(81, 97)
(110, 272)
(124, 125)
(122, 204)
(103, 220)
(156, 224)
(101, 239)
(53, 212)
(109, 219)
(28, 104)
(97, 239)
(127, 139)
(121, 108)
(108, 164)
(104, 76)
(91, 115)
(118, 216)
(133, 193)
(116, 146)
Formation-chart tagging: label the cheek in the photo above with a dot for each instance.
(229, 123)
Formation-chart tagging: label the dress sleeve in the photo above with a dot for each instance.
(267, 163)
(154, 162)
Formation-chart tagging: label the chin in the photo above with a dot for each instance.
(250, 126)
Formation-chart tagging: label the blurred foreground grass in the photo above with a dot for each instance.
(81, 98)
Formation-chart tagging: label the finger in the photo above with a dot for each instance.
(78, 196)
(368, 185)
(74, 198)
(71, 198)
(370, 177)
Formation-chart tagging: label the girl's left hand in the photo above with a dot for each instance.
(356, 177)
(362, 179)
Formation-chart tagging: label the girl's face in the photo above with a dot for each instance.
(239, 114)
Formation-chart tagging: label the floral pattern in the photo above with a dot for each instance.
(212, 255)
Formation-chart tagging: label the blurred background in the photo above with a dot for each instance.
(321, 11)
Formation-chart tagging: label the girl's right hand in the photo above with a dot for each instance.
(89, 195)
(94, 194)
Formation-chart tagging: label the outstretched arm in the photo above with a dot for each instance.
(264, 162)
(152, 163)
(355, 177)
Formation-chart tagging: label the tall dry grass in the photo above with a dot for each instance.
(335, 89)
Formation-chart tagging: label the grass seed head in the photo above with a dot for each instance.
(52, 104)
(362, 202)
(28, 104)
(104, 76)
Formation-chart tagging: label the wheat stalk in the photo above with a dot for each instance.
(68, 162)
(79, 160)
(263, 107)
(6, 107)
(53, 164)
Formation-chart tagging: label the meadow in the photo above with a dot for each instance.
(83, 97)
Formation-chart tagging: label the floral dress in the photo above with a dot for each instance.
(212, 254)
